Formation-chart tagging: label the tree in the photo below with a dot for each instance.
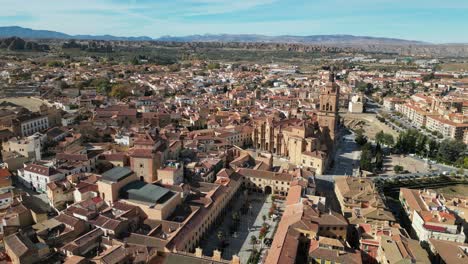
(119, 91)
(135, 61)
(174, 67)
(264, 217)
(366, 158)
(102, 85)
(380, 137)
(360, 138)
(213, 66)
(433, 147)
(253, 240)
(388, 140)
(235, 217)
(398, 169)
(450, 150)
(428, 77)
(421, 143)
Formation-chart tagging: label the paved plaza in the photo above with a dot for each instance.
(249, 224)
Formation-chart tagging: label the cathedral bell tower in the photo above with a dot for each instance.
(328, 112)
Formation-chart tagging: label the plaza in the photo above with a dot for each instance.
(236, 235)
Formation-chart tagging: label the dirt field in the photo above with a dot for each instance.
(455, 66)
(408, 163)
(368, 122)
(460, 189)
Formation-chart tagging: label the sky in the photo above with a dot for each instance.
(425, 20)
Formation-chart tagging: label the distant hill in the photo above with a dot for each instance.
(314, 39)
(18, 44)
(294, 43)
(27, 33)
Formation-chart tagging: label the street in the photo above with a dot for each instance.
(347, 156)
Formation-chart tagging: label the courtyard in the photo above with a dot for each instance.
(249, 214)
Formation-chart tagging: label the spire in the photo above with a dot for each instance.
(332, 74)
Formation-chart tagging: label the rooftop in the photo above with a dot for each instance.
(145, 192)
(116, 174)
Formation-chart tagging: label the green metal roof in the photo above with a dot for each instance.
(116, 174)
(145, 192)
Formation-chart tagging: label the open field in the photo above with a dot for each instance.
(459, 189)
(454, 66)
(408, 163)
(368, 122)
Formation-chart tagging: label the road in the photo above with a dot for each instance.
(347, 157)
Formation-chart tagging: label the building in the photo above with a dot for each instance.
(328, 109)
(429, 217)
(448, 252)
(22, 250)
(266, 181)
(29, 147)
(292, 138)
(60, 193)
(328, 250)
(390, 102)
(112, 181)
(361, 202)
(356, 105)
(5, 179)
(302, 227)
(36, 176)
(30, 124)
(447, 128)
(171, 174)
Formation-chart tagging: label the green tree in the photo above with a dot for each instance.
(253, 241)
(432, 147)
(388, 140)
(450, 151)
(360, 138)
(213, 66)
(120, 91)
(135, 61)
(380, 137)
(398, 169)
(103, 86)
(366, 158)
(421, 144)
(174, 67)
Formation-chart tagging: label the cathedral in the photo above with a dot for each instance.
(305, 142)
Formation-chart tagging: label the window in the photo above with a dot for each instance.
(141, 166)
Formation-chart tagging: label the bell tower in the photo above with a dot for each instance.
(328, 112)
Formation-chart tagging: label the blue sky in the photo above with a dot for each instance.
(427, 20)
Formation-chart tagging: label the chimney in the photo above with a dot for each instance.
(235, 259)
(217, 255)
(198, 252)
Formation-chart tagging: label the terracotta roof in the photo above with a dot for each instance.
(42, 170)
(265, 174)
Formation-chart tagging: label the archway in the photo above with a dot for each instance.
(268, 190)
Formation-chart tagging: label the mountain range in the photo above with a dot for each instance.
(28, 33)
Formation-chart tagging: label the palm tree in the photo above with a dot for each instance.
(264, 217)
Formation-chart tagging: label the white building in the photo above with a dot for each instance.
(32, 125)
(37, 176)
(356, 105)
(440, 226)
(124, 140)
(29, 147)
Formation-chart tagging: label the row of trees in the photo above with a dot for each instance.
(447, 151)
